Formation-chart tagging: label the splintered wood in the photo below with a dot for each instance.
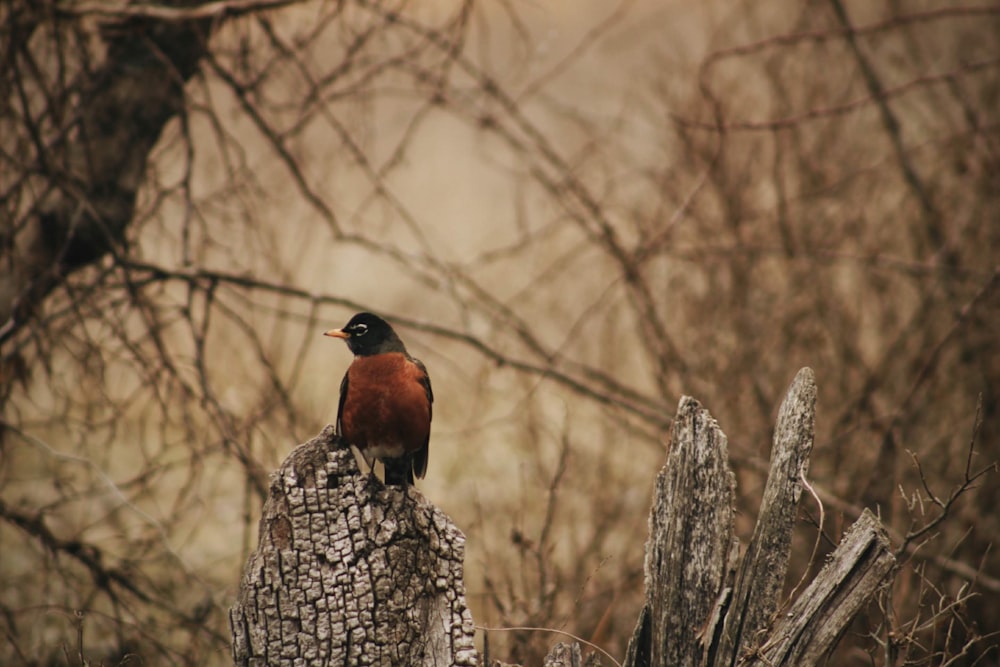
(705, 609)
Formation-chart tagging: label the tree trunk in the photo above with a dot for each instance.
(84, 148)
(349, 572)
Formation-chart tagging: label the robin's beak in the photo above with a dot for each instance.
(337, 333)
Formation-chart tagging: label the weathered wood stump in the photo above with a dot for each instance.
(691, 547)
(348, 572)
(704, 609)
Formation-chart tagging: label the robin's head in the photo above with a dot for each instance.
(367, 334)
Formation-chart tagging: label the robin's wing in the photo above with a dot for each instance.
(421, 455)
(340, 406)
(425, 381)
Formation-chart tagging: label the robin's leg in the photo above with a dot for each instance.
(372, 477)
(399, 471)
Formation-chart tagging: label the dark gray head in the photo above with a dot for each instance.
(367, 334)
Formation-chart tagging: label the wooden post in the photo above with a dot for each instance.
(347, 572)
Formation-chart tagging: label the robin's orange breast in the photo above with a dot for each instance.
(386, 410)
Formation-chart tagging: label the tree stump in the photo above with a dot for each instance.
(348, 572)
(702, 610)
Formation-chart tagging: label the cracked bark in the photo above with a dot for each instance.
(350, 573)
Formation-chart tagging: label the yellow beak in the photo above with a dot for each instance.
(337, 333)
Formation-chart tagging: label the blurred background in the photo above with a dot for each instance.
(574, 212)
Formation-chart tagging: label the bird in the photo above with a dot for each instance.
(386, 400)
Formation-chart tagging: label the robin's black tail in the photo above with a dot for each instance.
(399, 472)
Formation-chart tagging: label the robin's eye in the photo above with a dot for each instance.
(359, 329)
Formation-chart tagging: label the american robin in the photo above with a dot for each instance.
(385, 400)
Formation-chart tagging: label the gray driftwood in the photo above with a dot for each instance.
(691, 546)
(350, 573)
(695, 613)
(762, 571)
(855, 572)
